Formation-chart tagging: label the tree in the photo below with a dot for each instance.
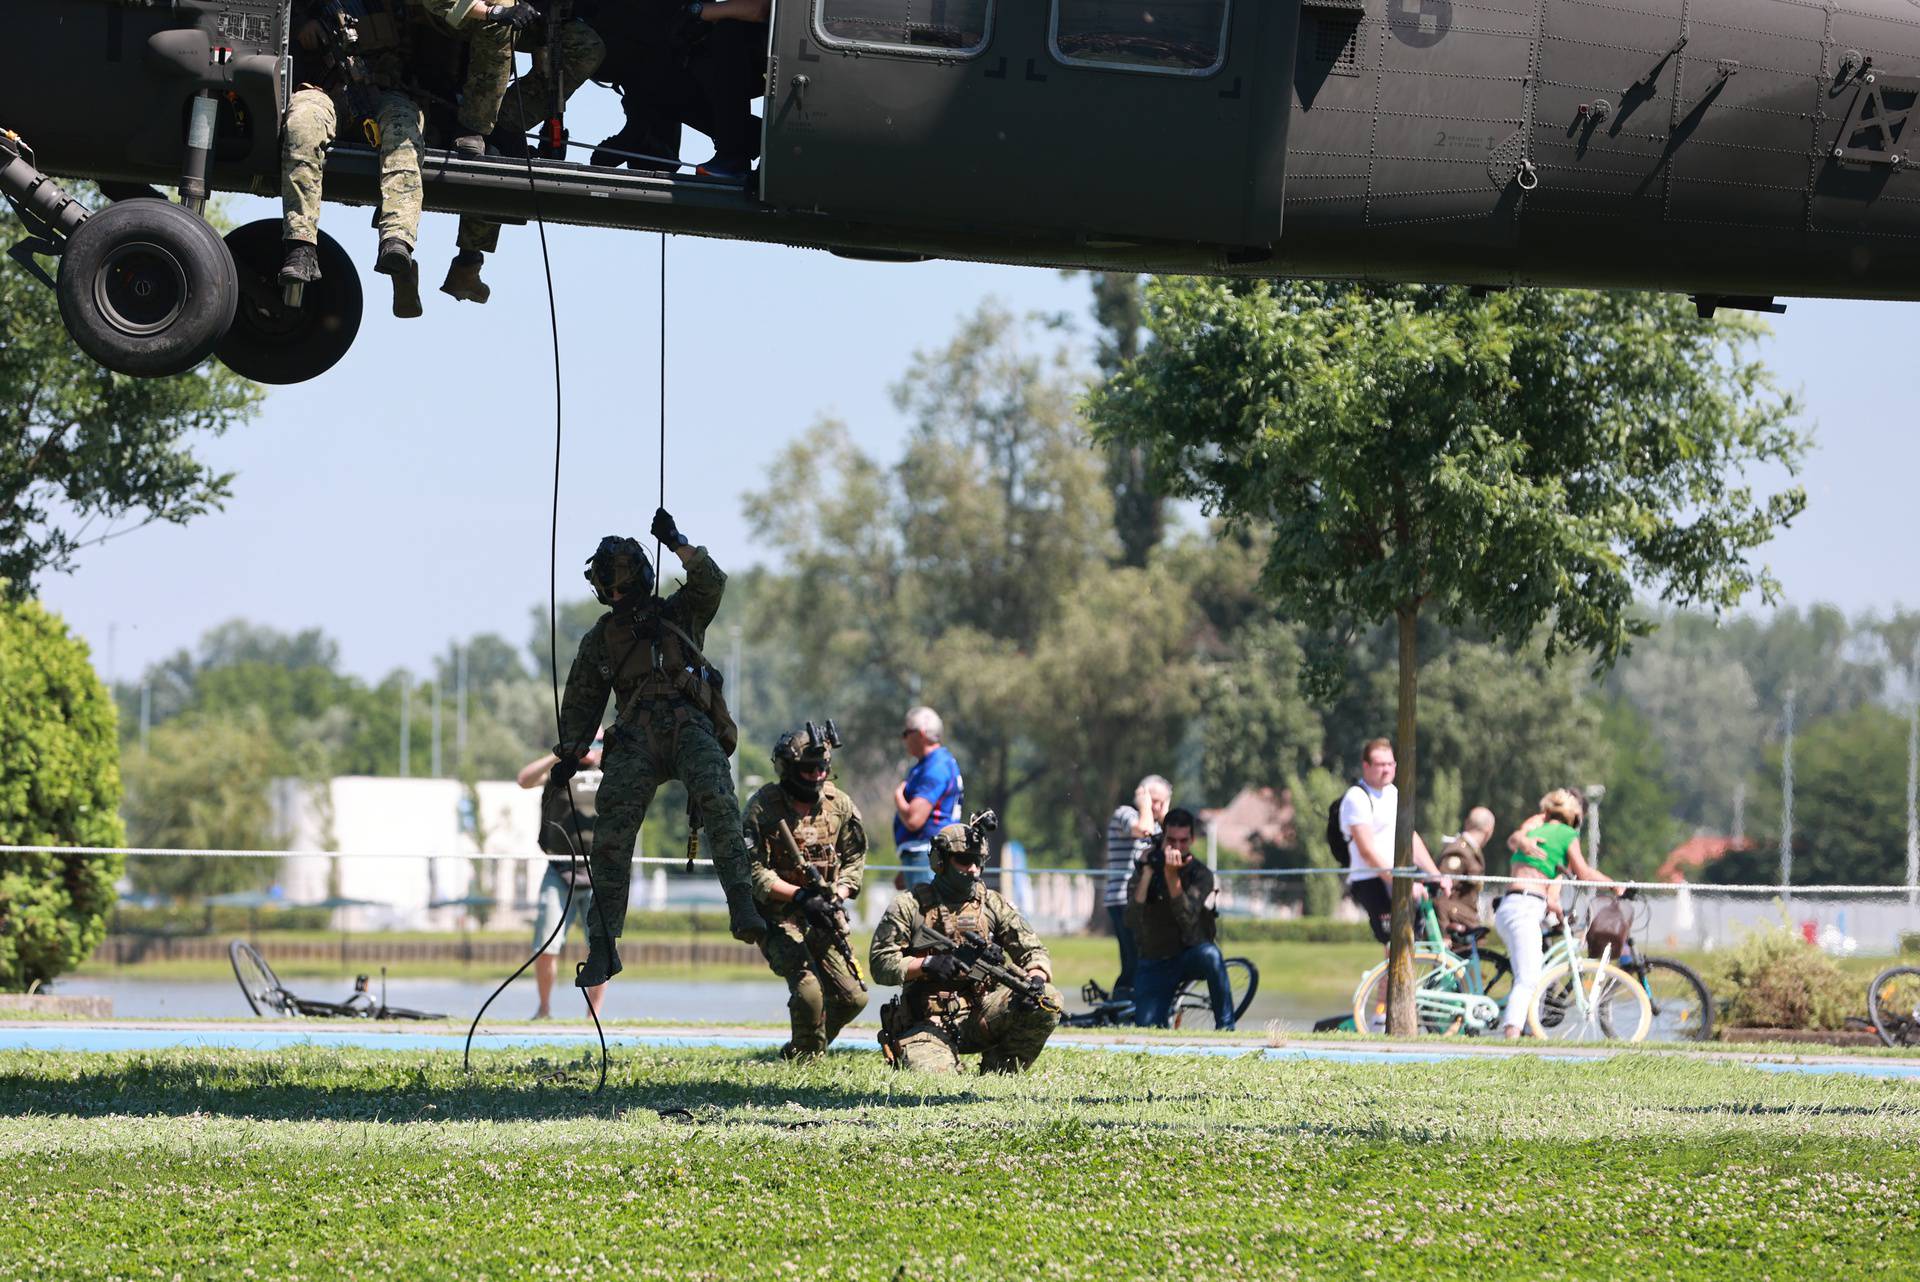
(86, 455)
(1139, 504)
(59, 786)
(1521, 461)
(1639, 828)
(1260, 729)
(936, 581)
(204, 783)
(1849, 823)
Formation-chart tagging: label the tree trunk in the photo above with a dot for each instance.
(1401, 1021)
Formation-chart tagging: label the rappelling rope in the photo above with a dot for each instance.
(553, 599)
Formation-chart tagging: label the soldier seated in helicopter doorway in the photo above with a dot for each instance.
(497, 110)
(671, 722)
(808, 851)
(939, 942)
(676, 63)
(350, 82)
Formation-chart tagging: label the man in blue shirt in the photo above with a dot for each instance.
(928, 799)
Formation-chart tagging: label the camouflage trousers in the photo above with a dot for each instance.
(486, 103)
(823, 994)
(312, 125)
(1008, 1036)
(665, 741)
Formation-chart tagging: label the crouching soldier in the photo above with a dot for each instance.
(807, 852)
(973, 976)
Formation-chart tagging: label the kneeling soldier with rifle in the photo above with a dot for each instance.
(973, 976)
(807, 850)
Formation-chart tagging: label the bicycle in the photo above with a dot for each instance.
(1192, 1008)
(1893, 1005)
(267, 996)
(1578, 999)
(1682, 1007)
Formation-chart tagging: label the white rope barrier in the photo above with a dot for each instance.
(993, 872)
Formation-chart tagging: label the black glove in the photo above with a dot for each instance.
(518, 16)
(994, 953)
(563, 769)
(666, 531)
(942, 968)
(823, 913)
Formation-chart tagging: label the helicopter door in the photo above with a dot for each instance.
(1113, 119)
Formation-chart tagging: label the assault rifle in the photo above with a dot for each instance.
(984, 962)
(842, 942)
(340, 28)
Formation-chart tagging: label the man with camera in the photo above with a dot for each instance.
(1170, 909)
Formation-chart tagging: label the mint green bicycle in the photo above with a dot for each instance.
(1461, 989)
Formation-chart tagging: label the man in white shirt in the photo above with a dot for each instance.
(1367, 815)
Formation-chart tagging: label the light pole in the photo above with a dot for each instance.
(1594, 791)
(406, 725)
(1786, 803)
(434, 757)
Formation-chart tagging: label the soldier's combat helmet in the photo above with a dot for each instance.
(798, 753)
(619, 564)
(963, 838)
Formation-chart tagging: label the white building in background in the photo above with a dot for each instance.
(434, 819)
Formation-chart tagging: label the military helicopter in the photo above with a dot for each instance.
(1736, 150)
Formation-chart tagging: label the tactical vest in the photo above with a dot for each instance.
(557, 815)
(819, 845)
(926, 999)
(656, 661)
(377, 43)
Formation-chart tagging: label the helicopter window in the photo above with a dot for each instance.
(1175, 37)
(938, 27)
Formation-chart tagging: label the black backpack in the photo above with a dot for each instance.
(1336, 835)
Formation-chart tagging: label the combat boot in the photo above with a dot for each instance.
(472, 147)
(301, 266)
(396, 260)
(463, 278)
(602, 964)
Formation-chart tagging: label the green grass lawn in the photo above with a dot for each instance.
(318, 1164)
(1322, 973)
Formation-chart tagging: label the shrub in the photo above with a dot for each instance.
(59, 786)
(1775, 979)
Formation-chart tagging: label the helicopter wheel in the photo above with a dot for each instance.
(146, 288)
(272, 342)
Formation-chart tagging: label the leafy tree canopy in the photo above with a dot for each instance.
(87, 455)
(59, 786)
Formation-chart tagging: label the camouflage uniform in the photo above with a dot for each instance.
(485, 101)
(938, 1025)
(660, 732)
(312, 125)
(824, 993)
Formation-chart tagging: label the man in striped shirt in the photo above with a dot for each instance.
(1130, 832)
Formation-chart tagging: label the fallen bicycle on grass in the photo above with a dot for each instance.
(268, 996)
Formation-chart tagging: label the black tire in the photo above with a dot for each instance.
(270, 342)
(258, 983)
(147, 288)
(1682, 1006)
(1193, 1010)
(1893, 1004)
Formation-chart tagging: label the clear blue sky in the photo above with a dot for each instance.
(402, 500)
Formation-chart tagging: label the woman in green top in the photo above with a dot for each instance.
(1546, 847)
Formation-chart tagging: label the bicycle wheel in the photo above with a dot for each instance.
(257, 981)
(1682, 1006)
(1611, 1005)
(1370, 996)
(1893, 1004)
(1193, 1005)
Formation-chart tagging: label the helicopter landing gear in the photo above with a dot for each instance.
(146, 288)
(273, 340)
